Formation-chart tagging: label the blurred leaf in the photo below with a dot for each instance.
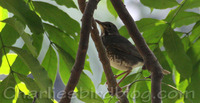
(110, 99)
(155, 34)
(22, 86)
(6, 35)
(124, 32)
(85, 83)
(89, 97)
(141, 92)
(175, 50)
(129, 79)
(19, 67)
(19, 27)
(164, 63)
(67, 3)
(20, 9)
(111, 9)
(4, 68)
(167, 91)
(195, 32)
(37, 42)
(193, 90)
(103, 79)
(148, 23)
(24, 98)
(61, 19)
(36, 69)
(189, 4)
(7, 89)
(185, 18)
(30, 83)
(194, 52)
(50, 63)
(66, 63)
(160, 4)
(62, 39)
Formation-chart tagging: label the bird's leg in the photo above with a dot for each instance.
(127, 72)
(116, 76)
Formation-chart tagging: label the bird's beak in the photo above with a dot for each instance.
(101, 25)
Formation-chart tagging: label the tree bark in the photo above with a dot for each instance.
(112, 84)
(150, 59)
(82, 50)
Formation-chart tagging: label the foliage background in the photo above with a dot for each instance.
(41, 38)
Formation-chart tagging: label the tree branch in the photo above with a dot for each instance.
(104, 60)
(82, 50)
(150, 59)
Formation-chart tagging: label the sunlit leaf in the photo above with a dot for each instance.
(20, 9)
(4, 15)
(5, 69)
(6, 35)
(36, 69)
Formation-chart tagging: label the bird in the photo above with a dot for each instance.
(122, 54)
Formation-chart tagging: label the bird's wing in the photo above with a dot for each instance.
(123, 45)
(127, 49)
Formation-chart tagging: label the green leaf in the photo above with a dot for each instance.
(61, 19)
(22, 98)
(89, 97)
(19, 27)
(195, 32)
(124, 32)
(20, 9)
(62, 39)
(194, 52)
(167, 91)
(185, 18)
(193, 90)
(4, 15)
(6, 34)
(148, 23)
(50, 63)
(141, 92)
(30, 83)
(111, 9)
(189, 4)
(67, 3)
(160, 4)
(4, 68)
(175, 50)
(19, 67)
(7, 89)
(85, 83)
(163, 61)
(154, 35)
(36, 69)
(66, 63)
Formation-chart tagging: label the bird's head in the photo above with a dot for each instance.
(107, 28)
